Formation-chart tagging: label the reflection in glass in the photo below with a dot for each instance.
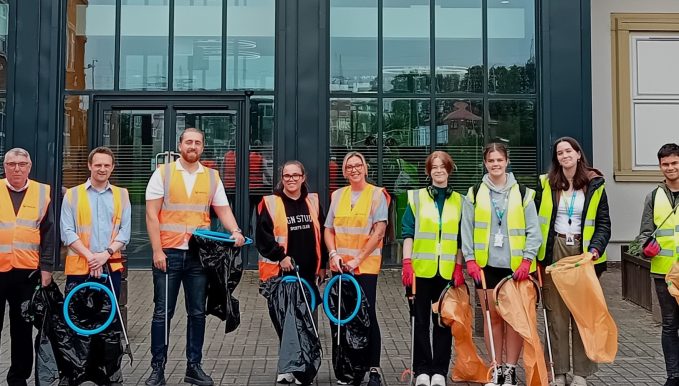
(353, 45)
(90, 50)
(75, 148)
(136, 137)
(511, 46)
(250, 44)
(459, 46)
(513, 122)
(144, 30)
(459, 132)
(406, 46)
(4, 25)
(353, 127)
(197, 45)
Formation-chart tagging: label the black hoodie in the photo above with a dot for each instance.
(301, 239)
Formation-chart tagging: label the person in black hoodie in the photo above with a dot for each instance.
(290, 227)
(573, 218)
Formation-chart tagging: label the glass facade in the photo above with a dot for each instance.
(4, 35)
(414, 76)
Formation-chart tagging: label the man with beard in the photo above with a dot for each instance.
(178, 200)
(26, 244)
(94, 244)
(659, 234)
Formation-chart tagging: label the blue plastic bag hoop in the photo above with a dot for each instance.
(218, 236)
(96, 286)
(326, 296)
(292, 279)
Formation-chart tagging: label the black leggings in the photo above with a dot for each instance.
(369, 284)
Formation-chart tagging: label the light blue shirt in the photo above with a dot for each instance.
(101, 205)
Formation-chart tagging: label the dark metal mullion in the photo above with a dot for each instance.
(224, 42)
(484, 38)
(380, 85)
(432, 75)
(170, 49)
(116, 45)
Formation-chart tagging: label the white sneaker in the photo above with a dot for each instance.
(286, 378)
(438, 380)
(422, 380)
(578, 381)
(560, 380)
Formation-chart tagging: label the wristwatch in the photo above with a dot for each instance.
(110, 251)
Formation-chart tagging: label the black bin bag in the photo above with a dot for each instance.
(300, 348)
(349, 358)
(224, 268)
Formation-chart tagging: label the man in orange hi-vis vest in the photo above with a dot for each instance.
(95, 226)
(26, 245)
(178, 201)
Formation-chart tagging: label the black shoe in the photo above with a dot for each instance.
(196, 376)
(157, 377)
(374, 379)
(498, 377)
(358, 378)
(510, 376)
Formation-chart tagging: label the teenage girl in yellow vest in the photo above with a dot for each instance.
(354, 229)
(289, 227)
(501, 235)
(573, 218)
(431, 251)
(661, 216)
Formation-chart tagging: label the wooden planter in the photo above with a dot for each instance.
(637, 284)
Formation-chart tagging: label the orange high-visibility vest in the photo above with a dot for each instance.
(20, 233)
(352, 226)
(276, 208)
(180, 215)
(77, 198)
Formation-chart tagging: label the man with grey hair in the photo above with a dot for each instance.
(26, 246)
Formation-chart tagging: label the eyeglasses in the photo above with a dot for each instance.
(357, 167)
(292, 177)
(13, 165)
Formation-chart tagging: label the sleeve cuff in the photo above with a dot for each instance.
(70, 239)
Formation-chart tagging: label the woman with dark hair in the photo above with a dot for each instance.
(431, 253)
(354, 231)
(501, 236)
(573, 218)
(290, 227)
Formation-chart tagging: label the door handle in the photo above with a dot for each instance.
(163, 158)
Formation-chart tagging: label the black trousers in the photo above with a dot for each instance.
(426, 360)
(369, 284)
(15, 288)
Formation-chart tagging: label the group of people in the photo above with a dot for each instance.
(500, 228)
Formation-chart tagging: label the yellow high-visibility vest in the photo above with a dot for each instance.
(667, 235)
(435, 240)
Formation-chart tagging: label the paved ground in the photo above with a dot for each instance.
(249, 355)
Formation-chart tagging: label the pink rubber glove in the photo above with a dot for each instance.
(652, 248)
(407, 273)
(523, 271)
(458, 277)
(474, 271)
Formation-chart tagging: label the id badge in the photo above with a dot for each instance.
(570, 239)
(499, 239)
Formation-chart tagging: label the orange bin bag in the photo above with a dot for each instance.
(576, 281)
(672, 280)
(515, 302)
(456, 312)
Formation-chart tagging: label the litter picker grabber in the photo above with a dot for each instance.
(306, 301)
(489, 324)
(410, 295)
(120, 316)
(544, 315)
(167, 330)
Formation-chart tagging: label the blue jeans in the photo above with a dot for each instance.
(182, 268)
(670, 328)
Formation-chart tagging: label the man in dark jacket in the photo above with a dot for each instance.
(659, 225)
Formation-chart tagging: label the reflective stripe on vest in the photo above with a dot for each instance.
(545, 218)
(20, 232)
(353, 228)
(516, 222)
(180, 214)
(276, 208)
(80, 203)
(435, 242)
(667, 235)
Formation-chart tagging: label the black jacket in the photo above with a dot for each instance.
(301, 245)
(602, 223)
